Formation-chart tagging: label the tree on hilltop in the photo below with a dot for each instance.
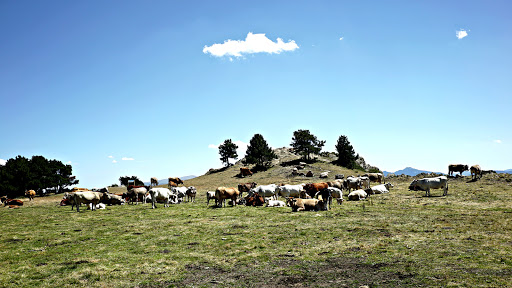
(306, 143)
(259, 153)
(124, 180)
(346, 154)
(227, 150)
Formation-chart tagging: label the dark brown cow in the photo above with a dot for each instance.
(15, 202)
(154, 181)
(174, 182)
(309, 174)
(254, 200)
(457, 168)
(245, 187)
(312, 188)
(244, 171)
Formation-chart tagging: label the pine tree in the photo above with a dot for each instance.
(227, 150)
(306, 143)
(259, 153)
(346, 154)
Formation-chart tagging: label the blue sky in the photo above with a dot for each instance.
(136, 88)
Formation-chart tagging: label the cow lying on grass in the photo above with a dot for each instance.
(299, 204)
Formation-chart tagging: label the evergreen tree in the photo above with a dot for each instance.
(346, 154)
(227, 150)
(124, 180)
(259, 153)
(306, 143)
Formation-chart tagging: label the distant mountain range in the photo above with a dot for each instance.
(413, 172)
(165, 181)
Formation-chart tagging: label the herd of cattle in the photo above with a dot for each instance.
(311, 196)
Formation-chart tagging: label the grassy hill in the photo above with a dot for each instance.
(398, 239)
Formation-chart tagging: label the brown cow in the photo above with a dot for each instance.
(15, 202)
(174, 182)
(457, 168)
(246, 187)
(30, 194)
(476, 171)
(154, 181)
(312, 188)
(375, 177)
(223, 193)
(244, 171)
(299, 204)
(309, 174)
(254, 200)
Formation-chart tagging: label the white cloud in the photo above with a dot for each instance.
(110, 157)
(213, 146)
(461, 33)
(69, 162)
(127, 159)
(497, 141)
(253, 43)
(114, 161)
(341, 38)
(2, 162)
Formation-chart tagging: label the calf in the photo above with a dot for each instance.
(191, 193)
(210, 195)
(275, 203)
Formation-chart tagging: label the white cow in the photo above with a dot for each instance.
(324, 174)
(382, 188)
(86, 197)
(265, 191)
(180, 192)
(358, 194)
(210, 195)
(290, 190)
(136, 193)
(336, 194)
(160, 194)
(426, 184)
(275, 203)
(352, 183)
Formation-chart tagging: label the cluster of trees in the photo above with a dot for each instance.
(38, 173)
(125, 179)
(303, 142)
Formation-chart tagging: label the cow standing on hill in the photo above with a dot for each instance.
(154, 181)
(174, 182)
(476, 171)
(30, 194)
(244, 171)
(457, 168)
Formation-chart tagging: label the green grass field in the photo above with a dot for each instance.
(396, 239)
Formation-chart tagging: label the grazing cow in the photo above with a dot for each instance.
(154, 181)
(382, 188)
(64, 202)
(265, 191)
(223, 193)
(299, 204)
(210, 195)
(137, 194)
(375, 177)
(30, 194)
(290, 190)
(160, 194)
(86, 197)
(351, 183)
(324, 174)
(365, 182)
(426, 184)
(275, 203)
(476, 171)
(191, 194)
(339, 176)
(312, 188)
(11, 202)
(457, 168)
(180, 192)
(326, 198)
(244, 171)
(174, 182)
(246, 187)
(359, 194)
(254, 200)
